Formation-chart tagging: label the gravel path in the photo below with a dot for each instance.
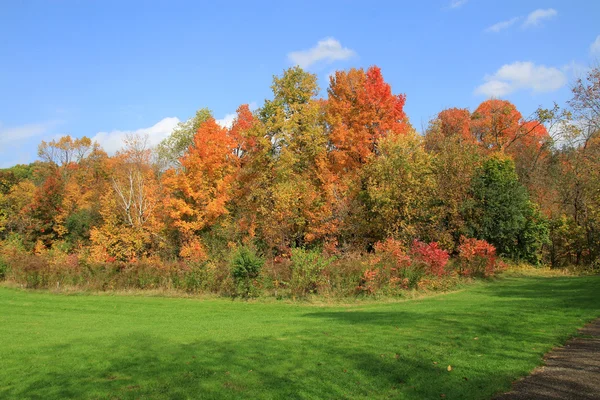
(569, 372)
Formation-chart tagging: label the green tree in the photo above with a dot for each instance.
(500, 212)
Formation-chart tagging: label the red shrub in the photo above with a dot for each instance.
(393, 250)
(477, 257)
(434, 258)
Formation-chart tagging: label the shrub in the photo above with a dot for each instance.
(393, 251)
(3, 268)
(307, 267)
(389, 269)
(343, 276)
(394, 268)
(245, 267)
(476, 257)
(433, 258)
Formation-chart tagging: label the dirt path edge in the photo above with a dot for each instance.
(569, 372)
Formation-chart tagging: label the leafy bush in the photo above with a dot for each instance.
(307, 267)
(477, 258)
(245, 267)
(3, 268)
(395, 268)
(388, 269)
(431, 256)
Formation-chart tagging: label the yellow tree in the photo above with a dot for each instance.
(398, 191)
(295, 209)
(130, 222)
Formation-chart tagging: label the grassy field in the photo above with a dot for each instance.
(103, 346)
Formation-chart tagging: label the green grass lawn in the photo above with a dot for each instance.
(88, 346)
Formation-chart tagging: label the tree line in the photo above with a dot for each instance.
(338, 175)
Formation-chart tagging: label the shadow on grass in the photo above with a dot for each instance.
(580, 292)
(490, 336)
(142, 366)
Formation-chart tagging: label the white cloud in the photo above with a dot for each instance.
(328, 50)
(502, 25)
(494, 88)
(595, 47)
(458, 3)
(113, 141)
(535, 17)
(522, 76)
(227, 120)
(17, 133)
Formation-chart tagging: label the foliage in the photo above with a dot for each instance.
(398, 187)
(431, 256)
(339, 173)
(172, 148)
(307, 268)
(397, 266)
(3, 268)
(477, 258)
(245, 268)
(362, 110)
(501, 213)
(79, 224)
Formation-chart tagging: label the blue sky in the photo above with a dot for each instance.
(104, 68)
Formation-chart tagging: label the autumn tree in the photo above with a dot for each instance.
(171, 149)
(44, 209)
(295, 211)
(15, 210)
(499, 126)
(576, 233)
(130, 224)
(456, 156)
(361, 110)
(398, 191)
(65, 150)
(202, 188)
